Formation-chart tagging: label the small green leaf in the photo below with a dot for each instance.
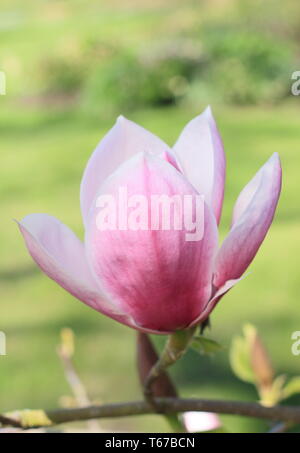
(205, 346)
(240, 360)
(270, 396)
(292, 387)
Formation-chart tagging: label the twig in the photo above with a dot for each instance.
(73, 379)
(163, 386)
(30, 419)
(79, 391)
(175, 347)
(4, 420)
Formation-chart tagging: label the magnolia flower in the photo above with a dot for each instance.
(155, 280)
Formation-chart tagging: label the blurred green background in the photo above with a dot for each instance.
(71, 68)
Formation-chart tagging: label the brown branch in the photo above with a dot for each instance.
(30, 419)
(4, 420)
(147, 357)
(175, 347)
(163, 386)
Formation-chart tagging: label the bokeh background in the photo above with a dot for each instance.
(72, 67)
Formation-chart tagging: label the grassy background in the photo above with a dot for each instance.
(44, 148)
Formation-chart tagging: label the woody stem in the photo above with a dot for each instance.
(175, 347)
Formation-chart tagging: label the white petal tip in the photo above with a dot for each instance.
(121, 119)
(208, 110)
(276, 157)
(274, 162)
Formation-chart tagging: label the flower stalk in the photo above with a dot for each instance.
(175, 347)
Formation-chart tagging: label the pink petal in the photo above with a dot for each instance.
(157, 276)
(216, 297)
(196, 422)
(201, 155)
(253, 215)
(60, 254)
(123, 141)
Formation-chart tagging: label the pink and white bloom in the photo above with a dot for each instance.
(197, 422)
(155, 280)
